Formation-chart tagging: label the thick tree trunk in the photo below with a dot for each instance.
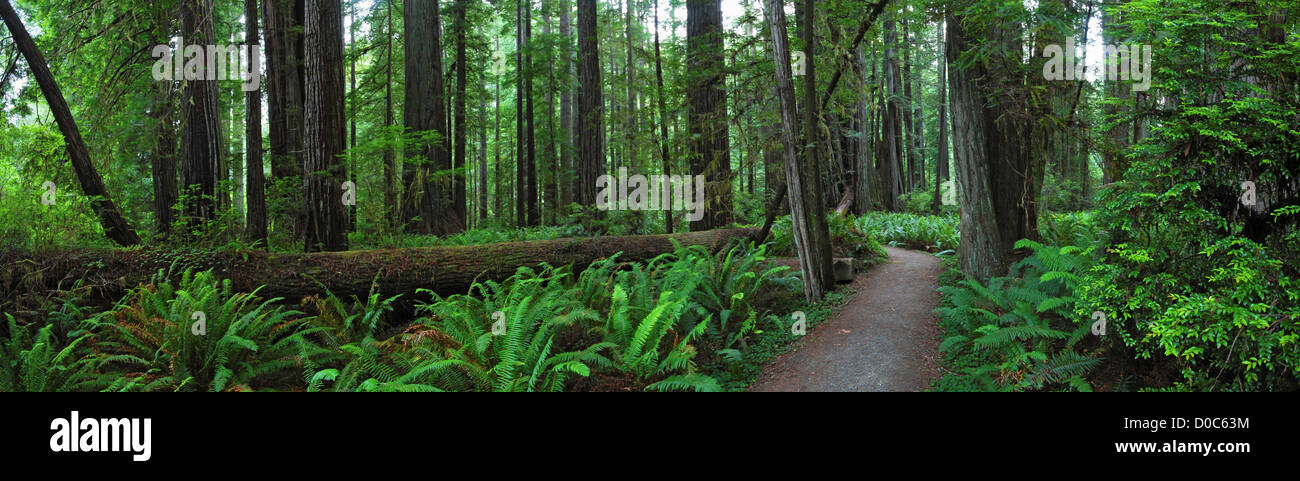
(707, 97)
(591, 137)
(429, 190)
(444, 270)
(256, 181)
(116, 227)
(891, 152)
(163, 161)
(323, 128)
(283, 32)
(805, 207)
(981, 242)
(862, 181)
(201, 136)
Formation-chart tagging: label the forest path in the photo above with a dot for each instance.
(884, 339)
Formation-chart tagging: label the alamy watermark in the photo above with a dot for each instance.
(1123, 62)
(653, 192)
(208, 62)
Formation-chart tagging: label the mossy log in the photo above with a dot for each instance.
(107, 273)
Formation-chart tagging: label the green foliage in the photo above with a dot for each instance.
(1193, 279)
(152, 330)
(1020, 332)
(847, 239)
(926, 232)
(45, 362)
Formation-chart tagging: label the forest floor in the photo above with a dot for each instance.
(885, 339)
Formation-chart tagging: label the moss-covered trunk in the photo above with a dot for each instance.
(444, 270)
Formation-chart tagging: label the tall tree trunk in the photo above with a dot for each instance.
(483, 167)
(323, 127)
(460, 129)
(918, 126)
(283, 30)
(814, 261)
(707, 97)
(499, 207)
(256, 176)
(352, 120)
(891, 152)
(1113, 163)
(590, 106)
(631, 93)
(564, 175)
(116, 228)
(533, 203)
(863, 177)
(909, 119)
(663, 116)
(999, 169)
(201, 136)
(521, 173)
(981, 243)
(390, 151)
(163, 161)
(550, 188)
(941, 160)
(429, 193)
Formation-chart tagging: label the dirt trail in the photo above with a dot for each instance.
(884, 339)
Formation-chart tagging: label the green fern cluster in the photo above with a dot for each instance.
(1023, 326)
(151, 334)
(44, 362)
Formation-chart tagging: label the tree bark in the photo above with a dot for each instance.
(444, 270)
(115, 225)
(163, 161)
(564, 176)
(591, 137)
(460, 129)
(804, 207)
(201, 136)
(283, 32)
(664, 156)
(323, 128)
(707, 97)
(390, 151)
(256, 176)
(941, 173)
(531, 202)
(429, 188)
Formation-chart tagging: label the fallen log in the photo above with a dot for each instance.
(108, 273)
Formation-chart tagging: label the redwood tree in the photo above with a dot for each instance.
(427, 208)
(707, 98)
(591, 134)
(323, 128)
